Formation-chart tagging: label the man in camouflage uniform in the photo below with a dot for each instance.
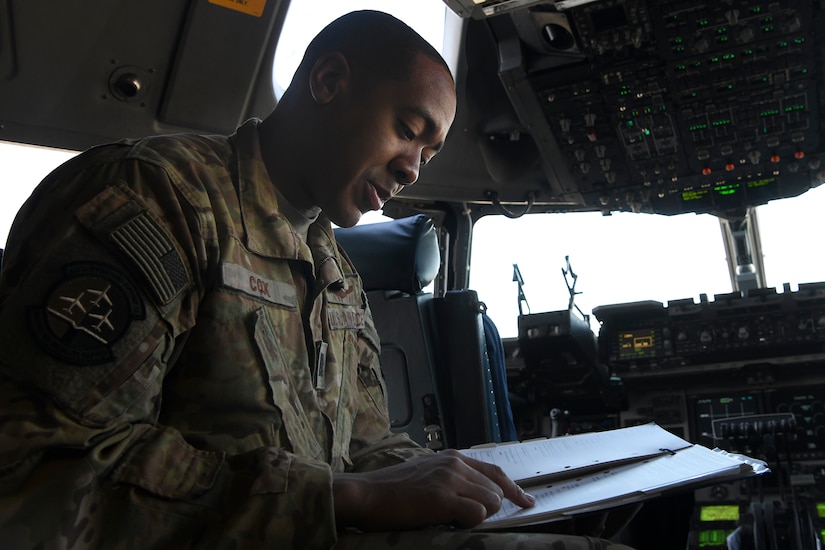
(188, 360)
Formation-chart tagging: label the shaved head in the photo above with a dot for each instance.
(376, 44)
(370, 104)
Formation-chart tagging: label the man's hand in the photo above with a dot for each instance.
(444, 488)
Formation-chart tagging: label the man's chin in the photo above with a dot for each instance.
(346, 219)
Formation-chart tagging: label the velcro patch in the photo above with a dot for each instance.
(243, 280)
(86, 313)
(345, 318)
(154, 253)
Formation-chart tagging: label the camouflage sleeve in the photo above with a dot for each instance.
(373, 445)
(101, 282)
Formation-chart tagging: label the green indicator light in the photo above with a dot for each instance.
(767, 28)
(799, 41)
(697, 127)
(792, 108)
(723, 39)
(630, 123)
(761, 183)
(768, 19)
(681, 67)
(771, 112)
(721, 30)
(647, 132)
(693, 195)
(757, 9)
(678, 40)
(729, 189)
(702, 22)
(729, 56)
(714, 60)
(783, 44)
(748, 52)
(721, 122)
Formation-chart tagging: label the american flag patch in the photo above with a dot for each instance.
(154, 253)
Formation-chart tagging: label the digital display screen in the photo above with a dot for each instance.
(713, 538)
(635, 344)
(719, 512)
(820, 510)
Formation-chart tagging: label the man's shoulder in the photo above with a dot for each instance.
(173, 153)
(179, 150)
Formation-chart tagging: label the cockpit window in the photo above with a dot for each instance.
(21, 169)
(634, 257)
(791, 231)
(620, 258)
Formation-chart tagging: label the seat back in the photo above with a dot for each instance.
(434, 355)
(396, 261)
(472, 399)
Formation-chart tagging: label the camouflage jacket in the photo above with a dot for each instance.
(178, 368)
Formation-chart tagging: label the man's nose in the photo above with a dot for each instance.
(405, 168)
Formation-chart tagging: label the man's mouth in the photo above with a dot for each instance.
(378, 196)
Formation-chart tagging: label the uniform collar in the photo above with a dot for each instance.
(268, 232)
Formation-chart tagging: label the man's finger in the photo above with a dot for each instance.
(509, 488)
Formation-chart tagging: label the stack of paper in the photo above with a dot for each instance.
(587, 472)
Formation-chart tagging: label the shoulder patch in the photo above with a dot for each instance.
(154, 253)
(86, 313)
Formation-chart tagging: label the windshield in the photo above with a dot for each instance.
(629, 257)
(624, 257)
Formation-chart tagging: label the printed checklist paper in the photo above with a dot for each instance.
(573, 474)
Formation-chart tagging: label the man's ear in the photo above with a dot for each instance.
(329, 76)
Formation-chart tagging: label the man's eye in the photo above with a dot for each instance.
(408, 133)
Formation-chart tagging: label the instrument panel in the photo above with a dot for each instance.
(669, 106)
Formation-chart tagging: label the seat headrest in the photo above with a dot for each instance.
(397, 255)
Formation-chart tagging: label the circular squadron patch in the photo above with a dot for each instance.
(85, 313)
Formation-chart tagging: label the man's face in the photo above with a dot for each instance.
(378, 139)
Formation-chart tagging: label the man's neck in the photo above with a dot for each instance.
(299, 218)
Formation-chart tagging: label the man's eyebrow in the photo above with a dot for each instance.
(429, 124)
